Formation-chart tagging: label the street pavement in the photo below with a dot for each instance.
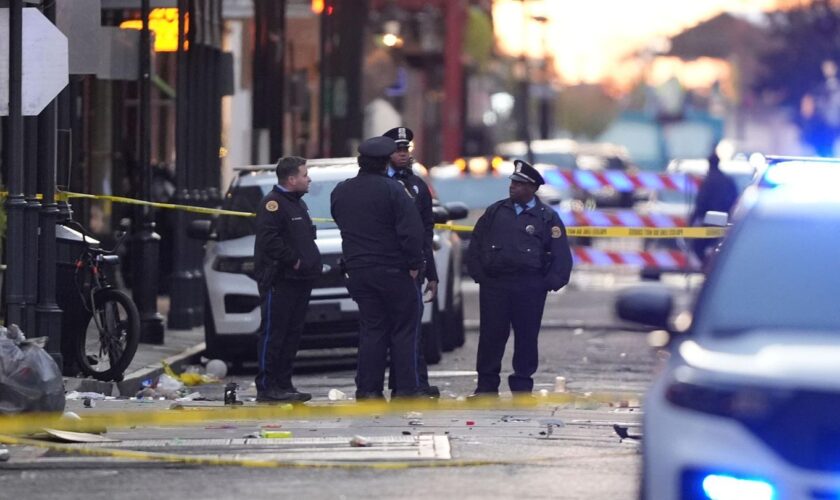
(582, 459)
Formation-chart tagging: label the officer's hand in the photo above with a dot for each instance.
(297, 265)
(431, 290)
(414, 273)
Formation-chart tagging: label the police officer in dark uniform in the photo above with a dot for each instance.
(517, 253)
(382, 246)
(719, 193)
(286, 262)
(400, 168)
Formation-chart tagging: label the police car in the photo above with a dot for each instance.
(232, 309)
(746, 406)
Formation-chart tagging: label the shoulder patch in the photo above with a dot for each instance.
(272, 206)
(556, 232)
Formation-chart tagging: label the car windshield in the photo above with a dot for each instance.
(247, 199)
(778, 273)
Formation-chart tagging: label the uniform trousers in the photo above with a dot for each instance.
(389, 305)
(283, 310)
(518, 302)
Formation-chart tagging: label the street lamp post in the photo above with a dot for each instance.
(525, 92)
(146, 243)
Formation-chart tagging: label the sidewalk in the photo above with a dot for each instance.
(179, 348)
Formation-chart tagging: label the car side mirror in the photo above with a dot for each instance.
(201, 230)
(440, 214)
(457, 210)
(646, 305)
(718, 219)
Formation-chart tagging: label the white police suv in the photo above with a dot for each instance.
(748, 404)
(232, 308)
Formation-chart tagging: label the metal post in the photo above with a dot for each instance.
(48, 314)
(181, 305)
(146, 243)
(323, 83)
(30, 221)
(64, 153)
(525, 93)
(452, 114)
(15, 202)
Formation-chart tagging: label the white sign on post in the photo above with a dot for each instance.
(45, 62)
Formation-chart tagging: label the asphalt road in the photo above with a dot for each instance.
(584, 459)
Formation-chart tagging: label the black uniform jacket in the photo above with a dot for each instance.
(378, 221)
(717, 192)
(423, 201)
(285, 233)
(507, 246)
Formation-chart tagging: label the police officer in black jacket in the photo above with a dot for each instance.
(382, 245)
(400, 168)
(286, 262)
(518, 251)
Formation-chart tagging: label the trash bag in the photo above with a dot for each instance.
(30, 380)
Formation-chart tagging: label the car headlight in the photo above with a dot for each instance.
(237, 265)
(718, 485)
(745, 403)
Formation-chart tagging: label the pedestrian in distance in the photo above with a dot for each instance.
(400, 168)
(382, 246)
(518, 252)
(286, 263)
(717, 192)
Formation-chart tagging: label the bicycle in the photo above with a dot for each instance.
(107, 345)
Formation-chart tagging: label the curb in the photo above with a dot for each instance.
(133, 381)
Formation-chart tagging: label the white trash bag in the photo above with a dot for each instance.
(30, 380)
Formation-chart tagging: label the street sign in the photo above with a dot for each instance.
(45, 62)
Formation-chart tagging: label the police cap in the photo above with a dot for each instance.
(524, 172)
(378, 147)
(401, 135)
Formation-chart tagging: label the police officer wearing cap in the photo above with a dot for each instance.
(517, 253)
(400, 168)
(286, 263)
(382, 246)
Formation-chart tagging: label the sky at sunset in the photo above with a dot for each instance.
(590, 40)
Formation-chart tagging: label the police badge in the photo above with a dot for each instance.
(530, 229)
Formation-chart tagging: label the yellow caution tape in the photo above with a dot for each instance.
(581, 231)
(646, 232)
(95, 421)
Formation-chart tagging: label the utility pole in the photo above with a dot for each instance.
(525, 91)
(146, 243)
(15, 201)
(47, 312)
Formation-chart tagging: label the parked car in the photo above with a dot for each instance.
(232, 309)
(746, 404)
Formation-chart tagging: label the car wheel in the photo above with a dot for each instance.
(431, 337)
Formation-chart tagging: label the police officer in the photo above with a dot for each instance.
(718, 192)
(382, 246)
(400, 168)
(286, 262)
(518, 251)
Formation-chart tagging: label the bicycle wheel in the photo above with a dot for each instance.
(108, 344)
